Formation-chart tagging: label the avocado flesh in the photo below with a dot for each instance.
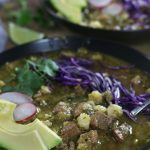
(78, 3)
(50, 138)
(71, 9)
(28, 141)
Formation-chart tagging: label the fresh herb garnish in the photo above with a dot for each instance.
(28, 81)
(45, 66)
(24, 15)
(32, 76)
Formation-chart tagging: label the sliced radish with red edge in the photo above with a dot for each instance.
(99, 3)
(16, 97)
(24, 112)
(113, 9)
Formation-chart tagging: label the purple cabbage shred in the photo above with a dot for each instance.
(74, 71)
(139, 10)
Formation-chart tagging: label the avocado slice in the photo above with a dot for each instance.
(50, 138)
(71, 9)
(27, 141)
(78, 3)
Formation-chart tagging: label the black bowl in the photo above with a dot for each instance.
(117, 35)
(73, 43)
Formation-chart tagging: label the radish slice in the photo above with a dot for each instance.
(99, 3)
(112, 9)
(24, 112)
(16, 97)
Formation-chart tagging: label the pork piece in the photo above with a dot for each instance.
(101, 121)
(87, 140)
(63, 111)
(83, 107)
(122, 132)
(70, 146)
(70, 131)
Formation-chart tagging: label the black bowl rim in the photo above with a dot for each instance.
(54, 14)
(115, 49)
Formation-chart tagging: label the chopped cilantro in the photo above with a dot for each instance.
(29, 81)
(46, 66)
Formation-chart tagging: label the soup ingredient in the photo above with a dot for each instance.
(2, 83)
(138, 9)
(28, 81)
(84, 121)
(70, 131)
(24, 112)
(87, 140)
(122, 132)
(136, 80)
(114, 110)
(96, 97)
(63, 111)
(78, 3)
(21, 35)
(45, 66)
(49, 138)
(100, 108)
(113, 9)
(16, 97)
(99, 3)
(70, 9)
(83, 107)
(101, 121)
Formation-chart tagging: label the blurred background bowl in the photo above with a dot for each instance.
(117, 35)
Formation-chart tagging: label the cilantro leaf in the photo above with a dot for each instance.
(28, 81)
(46, 66)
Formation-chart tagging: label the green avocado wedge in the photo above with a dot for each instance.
(26, 141)
(36, 130)
(71, 9)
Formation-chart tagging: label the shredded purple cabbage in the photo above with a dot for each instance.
(74, 71)
(139, 10)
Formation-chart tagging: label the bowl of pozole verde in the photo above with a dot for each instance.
(73, 100)
(117, 20)
(121, 15)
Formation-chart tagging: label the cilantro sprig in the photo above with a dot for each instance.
(32, 76)
(24, 15)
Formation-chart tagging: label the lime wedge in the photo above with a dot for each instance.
(21, 35)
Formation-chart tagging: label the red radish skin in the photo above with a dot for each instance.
(24, 112)
(99, 3)
(16, 97)
(26, 119)
(112, 9)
